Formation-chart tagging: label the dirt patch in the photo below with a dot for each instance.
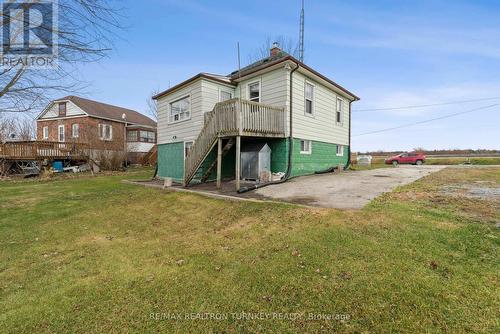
(481, 190)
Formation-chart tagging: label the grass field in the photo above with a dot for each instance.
(94, 255)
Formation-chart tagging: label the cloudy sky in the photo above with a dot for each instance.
(390, 53)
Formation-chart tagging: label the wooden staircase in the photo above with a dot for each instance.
(229, 119)
(151, 158)
(225, 151)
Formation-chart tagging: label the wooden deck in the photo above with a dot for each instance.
(233, 118)
(42, 150)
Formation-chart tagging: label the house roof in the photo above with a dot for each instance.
(254, 67)
(108, 111)
(214, 77)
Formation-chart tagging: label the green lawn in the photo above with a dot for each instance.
(94, 255)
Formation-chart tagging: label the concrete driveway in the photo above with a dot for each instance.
(348, 190)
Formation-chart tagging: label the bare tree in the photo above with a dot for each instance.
(25, 128)
(286, 44)
(85, 33)
(152, 106)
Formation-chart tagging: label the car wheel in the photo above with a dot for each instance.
(395, 163)
(419, 162)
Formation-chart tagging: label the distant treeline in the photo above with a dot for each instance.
(449, 153)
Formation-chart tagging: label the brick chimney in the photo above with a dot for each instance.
(275, 49)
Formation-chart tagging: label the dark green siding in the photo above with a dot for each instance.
(323, 156)
(171, 161)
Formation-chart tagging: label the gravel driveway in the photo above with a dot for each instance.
(348, 190)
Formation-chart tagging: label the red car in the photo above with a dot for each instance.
(413, 158)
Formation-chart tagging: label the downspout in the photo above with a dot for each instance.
(349, 147)
(290, 144)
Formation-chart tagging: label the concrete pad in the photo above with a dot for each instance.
(348, 190)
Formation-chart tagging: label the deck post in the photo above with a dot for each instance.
(238, 162)
(219, 163)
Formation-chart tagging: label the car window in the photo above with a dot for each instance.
(404, 155)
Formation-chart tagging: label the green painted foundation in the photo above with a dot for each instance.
(323, 156)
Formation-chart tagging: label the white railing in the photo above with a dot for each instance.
(233, 118)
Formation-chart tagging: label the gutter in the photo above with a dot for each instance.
(290, 143)
(349, 156)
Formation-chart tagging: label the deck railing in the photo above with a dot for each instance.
(234, 117)
(39, 150)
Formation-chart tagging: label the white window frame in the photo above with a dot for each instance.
(59, 133)
(221, 91)
(341, 153)
(185, 144)
(337, 111)
(170, 121)
(75, 134)
(306, 82)
(260, 89)
(102, 132)
(309, 150)
(45, 132)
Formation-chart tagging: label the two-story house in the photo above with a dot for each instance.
(206, 121)
(102, 126)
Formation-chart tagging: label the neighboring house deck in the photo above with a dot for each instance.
(42, 150)
(205, 122)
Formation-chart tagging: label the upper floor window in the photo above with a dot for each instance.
(75, 130)
(45, 132)
(132, 136)
(180, 109)
(338, 111)
(309, 98)
(224, 96)
(254, 91)
(147, 136)
(105, 132)
(62, 109)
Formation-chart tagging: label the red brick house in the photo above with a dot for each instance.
(104, 127)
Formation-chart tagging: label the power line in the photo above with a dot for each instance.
(428, 105)
(427, 120)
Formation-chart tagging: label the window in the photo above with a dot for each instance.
(187, 147)
(305, 147)
(340, 150)
(61, 135)
(254, 91)
(224, 96)
(309, 95)
(62, 109)
(147, 136)
(180, 109)
(105, 132)
(132, 136)
(75, 130)
(45, 132)
(338, 112)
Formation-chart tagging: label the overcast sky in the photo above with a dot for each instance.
(390, 53)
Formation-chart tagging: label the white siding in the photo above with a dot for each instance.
(273, 87)
(204, 95)
(71, 110)
(322, 125)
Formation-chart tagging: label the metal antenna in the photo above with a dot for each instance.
(301, 35)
